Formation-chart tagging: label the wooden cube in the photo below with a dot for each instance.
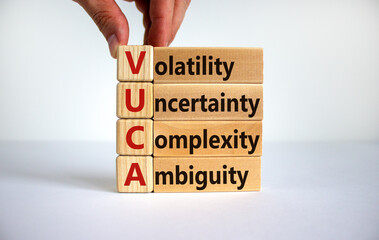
(208, 102)
(207, 138)
(205, 174)
(135, 63)
(208, 65)
(134, 173)
(134, 137)
(135, 100)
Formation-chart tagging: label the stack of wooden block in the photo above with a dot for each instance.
(190, 119)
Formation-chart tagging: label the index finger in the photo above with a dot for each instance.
(161, 12)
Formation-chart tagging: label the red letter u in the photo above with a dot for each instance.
(128, 100)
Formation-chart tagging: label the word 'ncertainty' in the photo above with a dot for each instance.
(214, 141)
(208, 105)
(201, 177)
(195, 67)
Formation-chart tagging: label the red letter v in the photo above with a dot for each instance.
(135, 69)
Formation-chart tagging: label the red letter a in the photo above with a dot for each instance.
(139, 177)
(128, 100)
(135, 69)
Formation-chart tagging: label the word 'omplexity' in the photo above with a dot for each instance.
(202, 178)
(214, 141)
(209, 105)
(200, 66)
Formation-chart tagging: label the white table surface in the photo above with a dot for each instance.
(66, 190)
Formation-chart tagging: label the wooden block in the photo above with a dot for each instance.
(207, 174)
(135, 100)
(134, 174)
(208, 102)
(135, 137)
(208, 65)
(135, 63)
(207, 138)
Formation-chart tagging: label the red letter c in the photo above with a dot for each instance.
(129, 140)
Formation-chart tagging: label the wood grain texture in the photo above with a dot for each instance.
(207, 138)
(129, 96)
(200, 65)
(140, 132)
(209, 174)
(208, 102)
(132, 167)
(144, 73)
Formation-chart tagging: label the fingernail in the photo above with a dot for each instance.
(113, 44)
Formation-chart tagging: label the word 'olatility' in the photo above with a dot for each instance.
(201, 66)
(193, 142)
(202, 178)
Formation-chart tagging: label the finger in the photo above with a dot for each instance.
(161, 13)
(144, 6)
(110, 20)
(146, 35)
(180, 9)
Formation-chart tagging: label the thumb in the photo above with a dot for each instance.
(111, 21)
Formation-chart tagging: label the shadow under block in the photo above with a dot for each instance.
(135, 63)
(208, 65)
(134, 137)
(205, 174)
(134, 173)
(134, 100)
(207, 138)
(208, 102)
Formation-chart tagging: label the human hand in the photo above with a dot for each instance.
(161, 19)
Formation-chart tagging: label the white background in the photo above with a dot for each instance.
(67, 191)
(58, 81)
